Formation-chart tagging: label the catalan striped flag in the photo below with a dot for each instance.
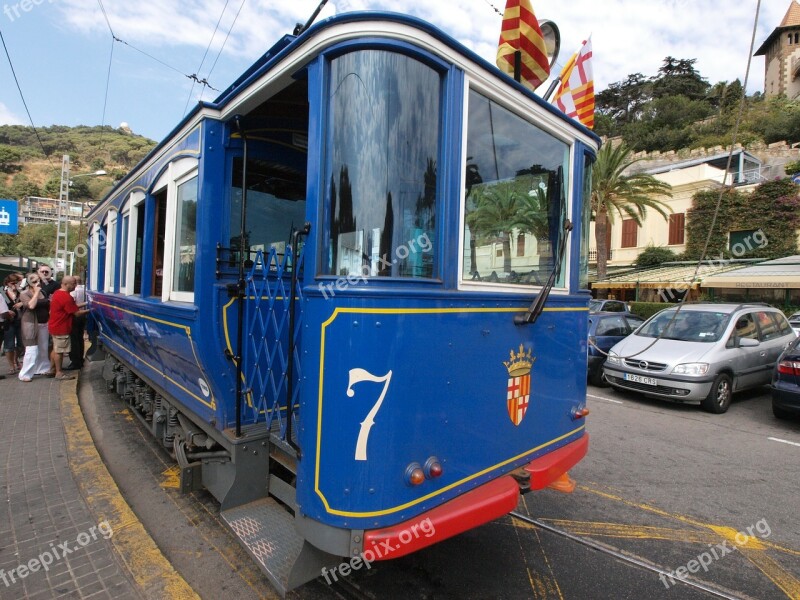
(575, 94)
(521, 33)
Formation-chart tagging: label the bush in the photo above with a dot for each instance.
(648, 309)
(652, 256)
(792, 167)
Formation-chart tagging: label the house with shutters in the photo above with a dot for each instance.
(687, 177)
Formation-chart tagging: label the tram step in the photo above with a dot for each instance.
(266, 530)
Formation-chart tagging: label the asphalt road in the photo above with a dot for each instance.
(665, 485)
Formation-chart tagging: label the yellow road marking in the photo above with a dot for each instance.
(543, 586)
(172, 478)
(624, 530)
(754, 548)
(788, 584)
(150, 570)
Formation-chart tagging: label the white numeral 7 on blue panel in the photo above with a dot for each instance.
(357, 376)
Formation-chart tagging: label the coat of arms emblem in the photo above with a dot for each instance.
(519, 383)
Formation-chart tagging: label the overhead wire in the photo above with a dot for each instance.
(194, 77)
(225, 41)
(24, 103)
(202, 62)
(724, 188)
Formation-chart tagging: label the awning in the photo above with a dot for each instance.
(673, 275)
(781, 273)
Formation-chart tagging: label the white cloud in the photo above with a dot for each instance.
(628, 36)
(9, 118)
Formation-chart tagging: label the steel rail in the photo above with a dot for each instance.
(623, 557)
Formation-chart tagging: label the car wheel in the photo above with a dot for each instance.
(597, 377)
(719, 398)
(780, 413)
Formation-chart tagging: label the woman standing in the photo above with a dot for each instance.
(34, 332)
(12, 338)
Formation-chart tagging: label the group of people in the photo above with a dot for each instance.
(43, 322)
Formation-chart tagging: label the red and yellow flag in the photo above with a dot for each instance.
(521, 32)
(575, 94)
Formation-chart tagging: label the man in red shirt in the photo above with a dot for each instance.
(62, 310)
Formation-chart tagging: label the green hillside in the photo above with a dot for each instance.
(30, 164)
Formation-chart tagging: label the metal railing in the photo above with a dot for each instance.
(593, 255)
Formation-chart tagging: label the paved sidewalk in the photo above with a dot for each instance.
(51, 545)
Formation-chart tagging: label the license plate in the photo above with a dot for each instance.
(640, 379)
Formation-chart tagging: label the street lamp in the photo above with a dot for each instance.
(64, 211)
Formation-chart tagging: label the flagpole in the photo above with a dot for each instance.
(517, 65)
(551, 89)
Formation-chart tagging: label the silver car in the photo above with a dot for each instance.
(700, 353)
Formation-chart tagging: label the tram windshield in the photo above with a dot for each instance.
(383, 143)
(515, 205)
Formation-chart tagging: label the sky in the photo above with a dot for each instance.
(72, 72)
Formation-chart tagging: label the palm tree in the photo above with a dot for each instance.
(627, 195)
(495, 214)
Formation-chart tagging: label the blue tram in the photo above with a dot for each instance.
(350, 294)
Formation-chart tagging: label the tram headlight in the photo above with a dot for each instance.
(612, 358)
(691, 369)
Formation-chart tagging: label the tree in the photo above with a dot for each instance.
(37, 240)
(627, 195)
(496, 214)
(623, 101)
(9, 159)
(678, 77)
(21, 186)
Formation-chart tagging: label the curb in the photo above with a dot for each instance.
(152, 573)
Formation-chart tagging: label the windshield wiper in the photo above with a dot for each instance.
(537, 306)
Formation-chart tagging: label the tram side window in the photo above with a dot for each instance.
(138, 247)
(111, 251)
(586, 218)
(96, 257)
(383, 142)
(276, 201)
(158, 242)
(516, 178)
(123, 248)
(185, 236)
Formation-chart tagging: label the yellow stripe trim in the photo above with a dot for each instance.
(187, 330)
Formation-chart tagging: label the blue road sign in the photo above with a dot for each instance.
(9, 219)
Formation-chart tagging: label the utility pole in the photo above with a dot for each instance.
(63, 217)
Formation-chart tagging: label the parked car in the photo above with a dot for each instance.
(608, 306)
(794, 321)
(701, 353)
(605, 330)
(786, 383)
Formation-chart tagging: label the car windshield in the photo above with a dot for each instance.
(687, 326)
(595, 305)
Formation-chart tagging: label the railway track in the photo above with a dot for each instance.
(624, 557)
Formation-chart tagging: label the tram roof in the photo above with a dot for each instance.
(289, 43)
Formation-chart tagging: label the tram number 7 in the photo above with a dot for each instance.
(357, 376)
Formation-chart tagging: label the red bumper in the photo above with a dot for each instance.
(481, 505)
(546, 469)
